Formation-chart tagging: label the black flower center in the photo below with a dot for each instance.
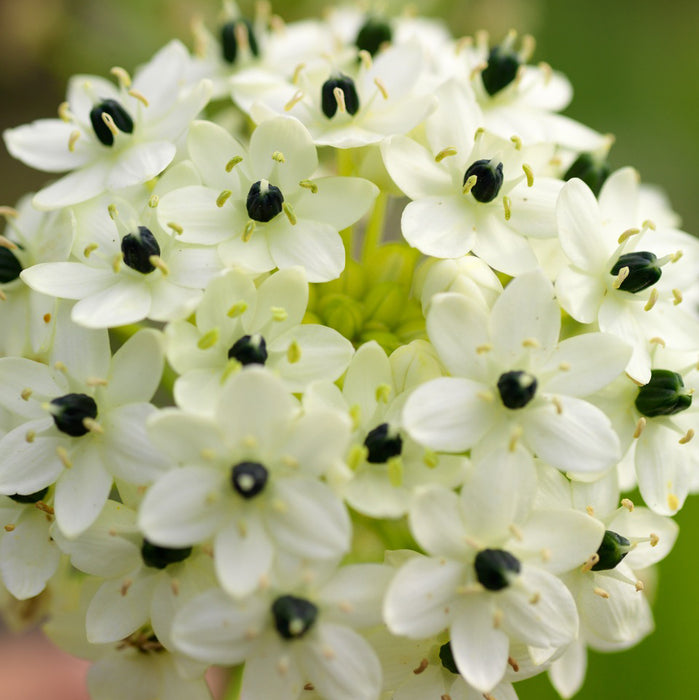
(264, 201)
(293, 616)
(10, 267)
(373, 34)
(159, 557)
(30, 497)
(230, 32)
(516, 388)
(501, 70)
(489, 179)
(249, 350)
(494, 568)
(591, 170)
(138, 248)
(664, 395)
(70, 411)
(249, 478)
(613, 549)
(643, 270)
(118, 115)
(383, 443)
(328, 101)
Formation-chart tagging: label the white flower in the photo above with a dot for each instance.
(512, 381)
(471, 191)
(111, 138)
(260, 206)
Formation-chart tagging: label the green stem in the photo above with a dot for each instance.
(374, 229)
(235, 683)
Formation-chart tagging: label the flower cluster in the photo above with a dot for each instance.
(340, 379)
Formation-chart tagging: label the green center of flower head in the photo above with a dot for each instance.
(642, 271)
(108, 116)
(373, 34)
(234, 34)
(488, 179)
(517, 388)
(613, 549)
(447, 658)
(10, 267)
(592, 170)
(30, 497)
(383, 443)
(160, 557)
(339, 92)
(264, 201)
(138, 248)
(663, 395)
(249, 478)
(249, 350)
(495, 568)
(293, 616)
(503, 64)
(70, 412)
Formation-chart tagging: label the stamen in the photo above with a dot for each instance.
(9, 212)
(463, 43)
(26, 393)
(175, 227)
(517, 142)
(125, 586)
(677, 297)
(422, 667)
(628, 504)
(365, 58)
(557, 403)
(430, 459)
(395, 471)
(528, 47)
(223, 198)
(531, 343)
(116, 262)
(140, 97)
(507, 205)
(469, 184)
(289, 213)
(654, 539)
(122, 76)
(529, 173)
(546, 69)
(564, 366)
(30, 435)
(297, 73)
(486, 395)
(7, 243)
(513, 664)
(209, 339)
(687, 437)
(293, 352)
(242, 36)
(383, 393)
(154, 201)
(309, 186)
(657, 340)
(93, 426)
(514, 438)
(157, 261)
(63, 456)
(445, 153)
(673, 502)
(279, 313)
(382, 88)
(651, 300)
(72, 139)
(247, 232)
(64, 112)
(639, 427)
(640, 586)
(486, 347)
(516, 532)
(233, 162)
(590, 511)
(113, 212)
(239, 308)
(297, 97)
(590, 563)
(627, 234)
(9, 528)
(600, 592)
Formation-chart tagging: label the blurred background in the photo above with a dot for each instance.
(633, 64)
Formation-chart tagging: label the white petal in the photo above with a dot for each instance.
(127, 301)
(18, 374)
(211, 148)
(27, 467)
(533, 209)
(567, 672)
(76, 187)
(140, 163)
(339, 201)
(183, 436)
(68, 280)
(579, 294)
(368, 369)
(502, 246)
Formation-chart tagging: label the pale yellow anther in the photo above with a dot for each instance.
(237, 309)
(649, 224)
(250, 441)
(72, 140)
(3, 296)
(628, 504)
(498, 617)
(628, 233)
(40, 505)
(430, 459)
(463, 43)
(485, 395)
(531, 343)
(60, 366)
(640, 425)
(208, 454)
(564, 366)
(109, 123)
(651, 300)
(64, 112)
(546, 69)
(654, 539)
(478, 134)
(233, 162)
(657, 340)
(26, 393)
(528, 47)
(9, 528)
(291, 462)
(383, 393)
(241, 36)
(175, 587)
(248, 231)
(293, 352)
(96, 381)
(139, 96)
(507, 206)
(117, 260)
(477, 70)
(516, 532)
(63, 456)
(590, 511)
(297, 73)
(223, 198)
(592, 560)
(445, 153)
(30, 435)
(365, 58)
(382, 88)
(600, 592)
(153, 201)
(676, 296)
(517, 142)
(157, 262)
(92, 425)
(486, 347)
(546, 554)
(424, 663)
(394, 467)
(673, 503)
(113, 212)
(286, 207)
(278, 313)
(277, 24)
(557, 403)
(126, 584)
(209, 339)
(340, 99)
(122, 76)
(621, 276)
(514, 438)
(297, 97)
(640, 586)
(686, 437)
(469, 184)
(307, 184)
(175, 227)
(278, 156)
(676, 256)
(529, 173)
(355, 414)
(356, 456)
(7, 243)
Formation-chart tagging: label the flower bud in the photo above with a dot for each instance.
(516, 388)
(489, 179)
(643, 271)
(121, 118)
(70, 411)
(342, 313)
(328, 100)
(592, 171)
(264, 201)
(494, 568)
(138, 248)
(664, 395)
(613, 549)
(249, 350)
(293, 616)
(385, 303)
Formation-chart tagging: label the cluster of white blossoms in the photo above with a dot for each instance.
(332, 357)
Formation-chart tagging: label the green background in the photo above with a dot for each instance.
(634, 65)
